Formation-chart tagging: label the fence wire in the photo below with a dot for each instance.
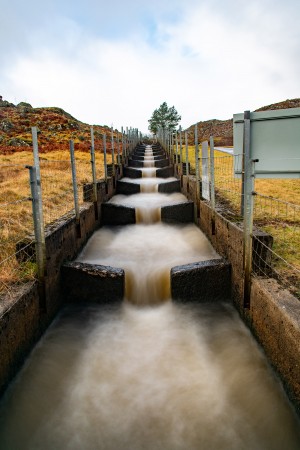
(276, 242)
(17, 265)
(57, 185)
(17, 241)
(279, 257)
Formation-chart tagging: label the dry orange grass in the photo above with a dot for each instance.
(277, 210)
(16, 209)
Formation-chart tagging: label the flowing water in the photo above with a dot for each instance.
(148, 204)
(148, 374)
(149, 184)
(147, 252)
(148, 172)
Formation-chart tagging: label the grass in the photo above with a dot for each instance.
(277, 211)
(16, 209)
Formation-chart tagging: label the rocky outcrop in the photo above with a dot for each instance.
(55, 128)
(222, 130)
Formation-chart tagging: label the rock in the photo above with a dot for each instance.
(5, 104)
(6, 125)
(17, 142)
(24, 105)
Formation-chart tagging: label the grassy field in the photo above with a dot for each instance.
(16, 209)
(277, 211)
(277, 208)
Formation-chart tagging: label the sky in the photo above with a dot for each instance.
(115, 62)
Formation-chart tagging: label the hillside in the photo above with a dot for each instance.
(55, 128)
(222, 130)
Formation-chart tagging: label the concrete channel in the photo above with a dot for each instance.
(161, 327)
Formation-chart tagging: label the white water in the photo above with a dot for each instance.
(148, 172)
(147, 253)
(148, 204)
(149, 374)
(149, 184)
(163, 378)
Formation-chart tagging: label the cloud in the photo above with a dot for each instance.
(207, 61)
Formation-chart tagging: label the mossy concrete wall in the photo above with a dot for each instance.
(274, 314)
(201, 282)
(87, 283)
(25, 316)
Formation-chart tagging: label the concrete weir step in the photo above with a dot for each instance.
(138, 157)
(127, 188)
(156, 153)
(115, 215)
(161, 172)
(164, 162)
(92, 283)
(204, 281)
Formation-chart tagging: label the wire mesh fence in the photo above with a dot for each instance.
(53, 175)
(276, 219)
(281, 220)
(17, 264)
(17, 257)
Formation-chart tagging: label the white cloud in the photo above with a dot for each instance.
(210, 64)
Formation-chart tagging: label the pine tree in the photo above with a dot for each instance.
(165, 118)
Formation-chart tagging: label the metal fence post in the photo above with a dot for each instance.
(93, 165)
(118, 149)
(123, 154)
(94, 173)
(112, 151)
(74, 180)
(105, 161)
(36, 158)
(39, 233)
(187, 172)
(212, 172)
(180, 148)
(176, 152)
(205, 172)
(248, 189)
(197, 157)
(245, 144)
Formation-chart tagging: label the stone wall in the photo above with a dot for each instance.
(24, 318)
(274, 314)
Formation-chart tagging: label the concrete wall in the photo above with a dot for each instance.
(24, 318)
(19, 330)
(274, 314)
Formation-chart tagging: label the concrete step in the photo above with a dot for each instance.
(92, 283)
(201, 282)
(135, 172)
(140, 163)
(115, 215)
(127, 188)
(142, 158)
(143, 151)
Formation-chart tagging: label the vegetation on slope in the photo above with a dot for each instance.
(222, 130)
(55, 128)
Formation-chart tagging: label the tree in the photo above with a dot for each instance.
(165, 118)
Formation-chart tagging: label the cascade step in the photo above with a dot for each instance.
(140, 163)
(127, 188)
(130, 172)
(134, 172)
(92, 283)
(204, 281)
(114, 215)
(138, 157)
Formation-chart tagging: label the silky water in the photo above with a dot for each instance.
(147, 374)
